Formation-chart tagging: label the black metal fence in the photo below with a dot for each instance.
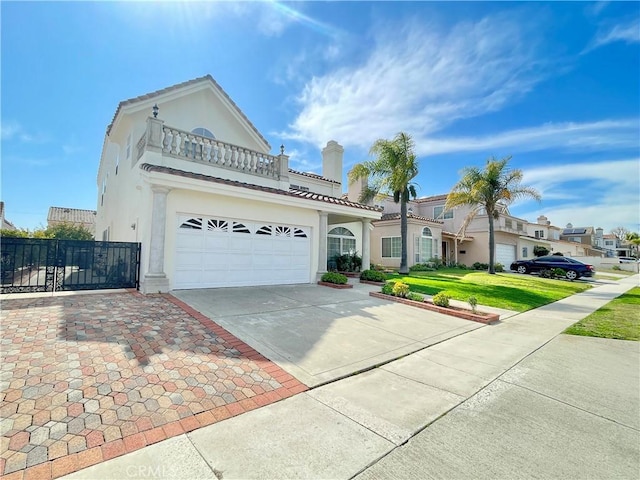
(48, 265)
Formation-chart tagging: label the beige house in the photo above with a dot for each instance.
(434, 233)
(184, 172)
(74, 216)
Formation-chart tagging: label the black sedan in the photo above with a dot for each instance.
(572, 268)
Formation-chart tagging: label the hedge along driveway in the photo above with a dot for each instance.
(502, 290)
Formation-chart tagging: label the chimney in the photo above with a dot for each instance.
(355, 189)
(542, 220)
(332, 161)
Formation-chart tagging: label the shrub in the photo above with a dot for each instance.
(558, 273)
(334, 277)
(616, 267)
(473, 303)
(436, 263)
(540, 251)
(348, 262)
(498, 267)
(401, 289)
(373, 276)
(415, 296)
(480, 266)
(546, 273)
(441, 299)
(461, 266)
(422, 267)
(387, 288)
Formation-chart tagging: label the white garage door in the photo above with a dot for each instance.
(505, 254)
(222, 252)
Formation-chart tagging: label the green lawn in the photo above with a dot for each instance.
(620, 318)
(502, 290)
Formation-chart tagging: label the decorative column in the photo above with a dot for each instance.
(366, 243)
(322, 243)
(155, 280)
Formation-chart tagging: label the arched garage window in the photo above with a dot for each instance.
(340, 240)
(424, 246)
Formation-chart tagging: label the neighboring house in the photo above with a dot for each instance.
(434, 233)
(583, 235)
(4, 223)
(74, 216)
(184, 172)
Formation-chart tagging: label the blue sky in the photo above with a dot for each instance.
(555, 85)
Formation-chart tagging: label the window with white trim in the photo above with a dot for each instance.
(440, 214)
(525, 252)
(539, 233)
(340, 241)
(391, 247)
(424, 246)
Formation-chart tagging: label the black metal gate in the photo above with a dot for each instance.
(48, 265)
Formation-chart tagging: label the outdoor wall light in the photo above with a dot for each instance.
(155, 111)
(282, 149)
(133, 226)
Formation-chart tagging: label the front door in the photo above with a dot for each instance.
(445, 253)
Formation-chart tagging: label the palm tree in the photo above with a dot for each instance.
(391, 173)
(488, 189)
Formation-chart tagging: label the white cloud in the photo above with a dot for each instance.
(591, 136)
(420, 79)
(605, 194)
(14, 131)
(624, 32)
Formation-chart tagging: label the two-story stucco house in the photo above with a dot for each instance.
(184, 172)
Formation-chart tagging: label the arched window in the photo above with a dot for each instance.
(203, 132)
(197, 149)
(340, 240)
(424, 250)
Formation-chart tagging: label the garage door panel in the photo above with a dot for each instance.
(505, 254)
(219, 256)
(191, 242)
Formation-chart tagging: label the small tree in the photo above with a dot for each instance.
(540, 251)
(620, 233)
(488, 189)
(392, 173)
(68, 231)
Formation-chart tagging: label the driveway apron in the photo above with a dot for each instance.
(320, 334)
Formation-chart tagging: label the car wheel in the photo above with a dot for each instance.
(571, 274)
(522, 269)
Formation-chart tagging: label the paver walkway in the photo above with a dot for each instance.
(86, 378)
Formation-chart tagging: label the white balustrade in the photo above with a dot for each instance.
(202, 149)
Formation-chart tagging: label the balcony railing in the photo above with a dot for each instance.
(189, 146)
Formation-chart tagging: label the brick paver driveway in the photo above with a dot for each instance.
(85, 378)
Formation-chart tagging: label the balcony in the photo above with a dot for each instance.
(184, 145)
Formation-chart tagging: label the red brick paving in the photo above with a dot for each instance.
(86, 378)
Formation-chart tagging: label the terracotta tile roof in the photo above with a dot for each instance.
(73, 215)
(432, 198)
(290, 193)
(178, 86)
(313, 175)
(396, 216)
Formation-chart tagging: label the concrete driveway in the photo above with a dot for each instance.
(319, 334)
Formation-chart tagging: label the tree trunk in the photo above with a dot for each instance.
(403, 235)
(492, 243)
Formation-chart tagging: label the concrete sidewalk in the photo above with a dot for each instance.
(568, 408)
